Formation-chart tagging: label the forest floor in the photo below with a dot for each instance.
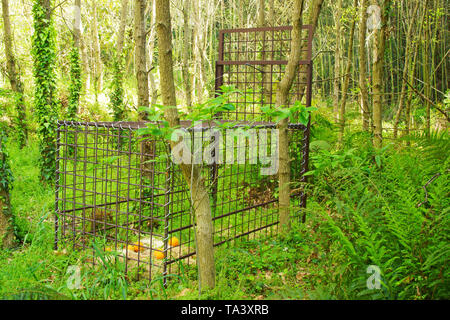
(313, 262)
(263, 269)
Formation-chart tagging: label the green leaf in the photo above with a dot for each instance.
(378, 160)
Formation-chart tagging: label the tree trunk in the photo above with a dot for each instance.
(378, 63)
(6, 226)
(412, 72)
(314, 13)
(427, 69)
(281, 99)
(98, 67)
(192, 173)
(406, 68)
(77, 24)
(266, 93)
(86, 69)
(151, 49)
(140, 52)
(261, 16)
(271, 16)
(240, 13)
(75, 66)
(122, 26)
(186, 50)
(346, 81)
(337, 61)
(43, 51)
(363, 66)
(198, 49)
(14, 77)
(117, 91)
(6, 223)
(140, 49)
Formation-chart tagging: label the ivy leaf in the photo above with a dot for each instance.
(229, 107)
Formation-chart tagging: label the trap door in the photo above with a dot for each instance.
(254, 61)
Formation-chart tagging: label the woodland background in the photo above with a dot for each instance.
(379, 178)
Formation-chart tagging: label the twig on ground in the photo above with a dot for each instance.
(437, 175)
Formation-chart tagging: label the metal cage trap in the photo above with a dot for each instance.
(125, 194)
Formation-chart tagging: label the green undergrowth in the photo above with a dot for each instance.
(365, 208)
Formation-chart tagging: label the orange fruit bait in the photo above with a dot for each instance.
(158, 255)
(173, 242)
(108, 249)
(138, 246)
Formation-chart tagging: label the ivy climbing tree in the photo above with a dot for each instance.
(75, 66)
(75, 84)
(6, 178)
(14, 77)
(43, 51)
(117, 91)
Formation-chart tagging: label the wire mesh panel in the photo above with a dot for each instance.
(242, 190)
(253, 61)
(111, 192)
